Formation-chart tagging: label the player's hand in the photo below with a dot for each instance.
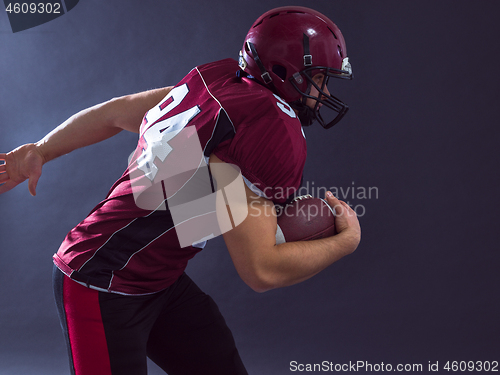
(346, 220)
(25, 162)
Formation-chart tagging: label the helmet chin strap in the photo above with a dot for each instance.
(265, 76)
(305, 114)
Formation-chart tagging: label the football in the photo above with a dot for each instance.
(305, 218)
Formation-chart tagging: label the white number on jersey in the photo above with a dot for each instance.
(160, 133)
(285, 107)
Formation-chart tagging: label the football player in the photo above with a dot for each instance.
(119, 280)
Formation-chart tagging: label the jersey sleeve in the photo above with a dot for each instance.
(271, 154)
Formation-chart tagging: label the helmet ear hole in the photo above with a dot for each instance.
(280, 71)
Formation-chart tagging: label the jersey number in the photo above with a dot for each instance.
(285, 107)
(161, 132)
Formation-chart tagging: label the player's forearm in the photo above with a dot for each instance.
(293, 262)
(82, 129)
(98, 123)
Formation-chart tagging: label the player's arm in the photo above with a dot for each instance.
(99, 122)
(87, 127)
(263, 265)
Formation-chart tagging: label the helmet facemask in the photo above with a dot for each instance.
(306, 114)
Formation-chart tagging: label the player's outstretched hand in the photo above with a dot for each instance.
(346, 220)
(25, 162)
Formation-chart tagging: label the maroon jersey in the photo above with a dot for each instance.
(128, 243)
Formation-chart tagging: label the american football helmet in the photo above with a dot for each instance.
(286, 48)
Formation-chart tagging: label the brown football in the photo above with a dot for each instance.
(305, 218)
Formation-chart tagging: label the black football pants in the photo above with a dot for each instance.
(180, 329)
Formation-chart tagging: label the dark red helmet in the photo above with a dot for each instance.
(286, 47)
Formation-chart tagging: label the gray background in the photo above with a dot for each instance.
(422, 129)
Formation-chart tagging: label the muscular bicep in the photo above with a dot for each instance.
(253, 238)
(128, 111)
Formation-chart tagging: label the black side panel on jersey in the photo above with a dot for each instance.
(224, 130)
(122, 245)
(118, 250)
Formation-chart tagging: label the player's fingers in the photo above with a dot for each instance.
(335, 203)
(4, 177)
(3, 156)
(331, 199)
(347, 207)
(340, 207)
(33, 181)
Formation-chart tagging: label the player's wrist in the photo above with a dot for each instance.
(353, 238)
(347, 241)
(40, 149)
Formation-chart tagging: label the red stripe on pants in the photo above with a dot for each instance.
(85, 329)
